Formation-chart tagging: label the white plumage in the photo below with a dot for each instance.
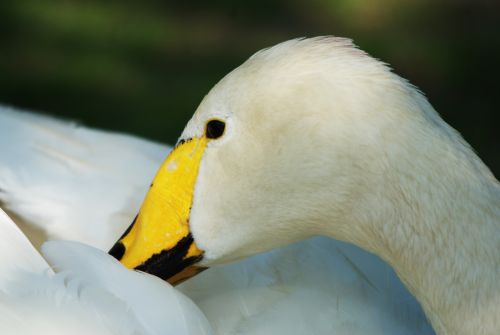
(91, 293)
(319, 286)
(320, 139)
(52, 174)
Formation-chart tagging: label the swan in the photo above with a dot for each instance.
(90, 293)
(315, 137)
(310, 137)
(51, 171)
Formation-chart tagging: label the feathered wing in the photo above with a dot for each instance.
(92, 293)
(32, 300)
(157, 306)
(72, 182)
(25, 280)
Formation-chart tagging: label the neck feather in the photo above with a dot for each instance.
(447, 251)
(434, 216)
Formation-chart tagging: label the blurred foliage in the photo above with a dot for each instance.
(143, 66)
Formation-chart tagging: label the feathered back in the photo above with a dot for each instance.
(52, 171)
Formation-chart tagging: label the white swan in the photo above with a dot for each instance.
(90, 294)
(322, 139)
(314, 137)
(51, 172)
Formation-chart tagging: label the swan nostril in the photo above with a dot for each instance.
(117, 251)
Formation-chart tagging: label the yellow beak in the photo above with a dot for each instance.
(159, 240)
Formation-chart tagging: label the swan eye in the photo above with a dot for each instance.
(215, 129)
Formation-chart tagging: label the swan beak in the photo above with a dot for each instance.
(159, 241)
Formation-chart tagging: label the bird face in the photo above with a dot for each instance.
(215, 199)
(275, 153)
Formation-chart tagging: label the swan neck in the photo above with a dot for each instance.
(435, 220)
(454, 270)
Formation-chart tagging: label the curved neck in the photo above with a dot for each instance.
(435, 218)
(448, 255)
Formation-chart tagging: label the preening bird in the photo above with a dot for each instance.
(310, 137)
(53, 172)
(315, 137)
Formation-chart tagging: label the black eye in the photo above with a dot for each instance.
(215, 129)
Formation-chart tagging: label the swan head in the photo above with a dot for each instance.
(286, 146)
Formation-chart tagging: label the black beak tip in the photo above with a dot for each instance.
(117, 250)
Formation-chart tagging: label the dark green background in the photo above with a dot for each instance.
(143, 66)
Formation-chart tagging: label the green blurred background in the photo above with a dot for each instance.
(143, 66)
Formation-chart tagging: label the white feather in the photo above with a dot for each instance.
(91, 294)
(318, 286)
(156, 305)
(16, 252)
(52, 171)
